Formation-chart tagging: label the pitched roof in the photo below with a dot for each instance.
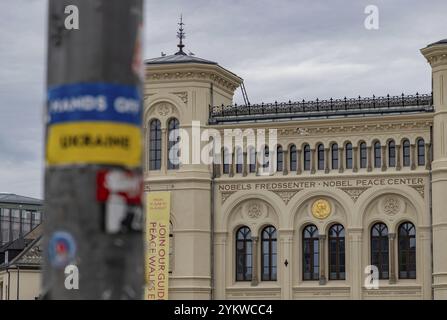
(14, 198)
(178, 58)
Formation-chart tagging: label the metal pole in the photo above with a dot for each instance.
(93, 213)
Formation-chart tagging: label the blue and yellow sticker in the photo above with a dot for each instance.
(94, 123)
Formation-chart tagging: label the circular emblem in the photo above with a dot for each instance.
(62, 249)
(391, 205)
(321, 209)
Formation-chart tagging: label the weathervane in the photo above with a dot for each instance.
(181, 35)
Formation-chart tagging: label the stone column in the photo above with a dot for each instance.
(413, 157)
(327, 160)
(285, 169)
(436, 55)
(298, 161)
(322, 258)
(398, 158)
(369, 155)
(355, 158)
(354, 266)
(285, 271)
(219, 265)
(341, 161)
(254, 250)
(312, 160)
(392, 257)
(384, 166)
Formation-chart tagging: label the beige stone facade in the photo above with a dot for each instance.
(387, 168)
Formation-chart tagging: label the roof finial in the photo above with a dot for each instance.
(181, 35)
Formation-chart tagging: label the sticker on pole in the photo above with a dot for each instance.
(61, 249)
(94, 123)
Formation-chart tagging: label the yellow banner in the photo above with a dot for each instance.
(94, 143)
(158, 208)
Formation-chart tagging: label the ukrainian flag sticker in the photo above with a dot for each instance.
(94, 123)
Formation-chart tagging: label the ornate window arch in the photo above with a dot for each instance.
(311, 253)
(154, 144)
(244, 254)
(268, 254)
(407, 250)
(380, 249)
(336, 252)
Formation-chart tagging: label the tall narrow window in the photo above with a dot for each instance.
(36, 218)
(26, 221)
(265, 158)
(226, 160)
(155, 145)
(268, 254)
(406, 153)
(320, 150)
(377, 155)
(379, 249)
(293, 158)
(173, 141)
(279, 159)
(391, 153)
(348, 155)
(337, 252)
(334, 158)
(407, 251)
(239, 160)
(311, 255)
(252, 159)
(306, 157)
(363, 156)
(15, 223)
(5, 225)
(243, 254)
(421, 152)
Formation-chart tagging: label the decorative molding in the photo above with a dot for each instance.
(354, 193)
(164, 109)
(391, 205)
(420, 189)
(286, 195)
(254, 210)
(226, 195)
(182, 95)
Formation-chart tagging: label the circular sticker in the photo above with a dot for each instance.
(62, 249)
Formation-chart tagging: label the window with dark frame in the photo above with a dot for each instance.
(320, 150)
(239, 160)
(391, 153)
(252, 159)
(293, 160)
(244, 254)
(407, 251)
(279, 159)
(155, 145)
(363, 155)
(406, 153)
(334, 151)
(336, 242)
(266, 158)
(377, 155)
(311, 253)
(306, 157)
(173, 140)
(226, 160)
(421, 152)
(348, 155)
(380, 249)
(269, 254)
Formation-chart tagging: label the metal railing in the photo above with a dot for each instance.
(322, 108)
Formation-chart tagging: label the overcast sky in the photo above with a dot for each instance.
(283, 49)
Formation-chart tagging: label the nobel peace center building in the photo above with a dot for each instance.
(343, 199)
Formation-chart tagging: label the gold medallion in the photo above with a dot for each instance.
(321, 209)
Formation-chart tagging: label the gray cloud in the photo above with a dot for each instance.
(284, 49)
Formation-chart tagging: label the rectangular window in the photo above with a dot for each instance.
(26, 221)
(15, 224)
(36, 219)
(5, 225)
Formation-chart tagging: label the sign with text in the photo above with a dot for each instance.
(158, 208)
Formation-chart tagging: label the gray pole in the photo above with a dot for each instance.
(93, 135)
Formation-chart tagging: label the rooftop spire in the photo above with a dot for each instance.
(181, 35)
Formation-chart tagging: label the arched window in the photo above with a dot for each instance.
(268, 254)
(239, 160)
(380, 249)
(407, 251)
(406, 153)
(279, 159)
(348, 155)
(243, 254)
(421, 152)
(306, 157)
(391, 153)
(337, 252)
(155, 145)
(377, 155)
(320, 150)
(173, 147)
(252, 159)
(292, 158)
(363, 156)
(265, 158)
(226, 160)
(334, 151)
(311, 254)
